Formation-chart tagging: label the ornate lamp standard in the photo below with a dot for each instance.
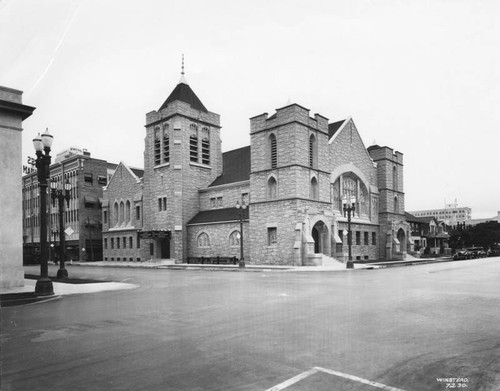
(57, 194)
(42, 146)
(349, 208)
(241, 215)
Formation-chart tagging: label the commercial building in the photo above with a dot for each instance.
(293, 177)
(451, 214)
(12, 114)
(82, 219)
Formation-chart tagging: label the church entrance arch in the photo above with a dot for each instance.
(320, 236)
(402, 240)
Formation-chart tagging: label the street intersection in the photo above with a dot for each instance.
(426, 327)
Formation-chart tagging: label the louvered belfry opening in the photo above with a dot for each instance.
(274, 151)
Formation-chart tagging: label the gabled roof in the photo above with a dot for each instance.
(217, 216)
(425, 220)
(185, 94)
(133, 172)
(139, 172)
(413, 218)
(235, 167)
(332, 128)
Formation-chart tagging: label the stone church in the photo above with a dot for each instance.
(293, 177)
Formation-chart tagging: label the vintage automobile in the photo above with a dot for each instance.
(462, 254)
(476, 252)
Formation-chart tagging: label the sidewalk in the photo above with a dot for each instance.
(170, 264)
(61, 288)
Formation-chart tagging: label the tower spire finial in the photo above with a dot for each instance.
(183, 79)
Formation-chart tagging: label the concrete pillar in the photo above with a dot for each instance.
(12, 114)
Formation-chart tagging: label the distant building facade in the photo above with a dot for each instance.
(12, 114)
(451, 214)
(82, 219)
(480, 221)
(293, 177)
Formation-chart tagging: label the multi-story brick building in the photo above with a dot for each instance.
(87, 177)
(293, 176)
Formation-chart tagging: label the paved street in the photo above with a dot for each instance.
(404, 327)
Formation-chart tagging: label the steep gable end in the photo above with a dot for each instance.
(347, 147)
(122, 176)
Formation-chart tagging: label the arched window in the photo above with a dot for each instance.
(313, 192)
(363, 209)
(396, 205)
(122, 212)
(115, 213)
(272, 188)
(157, 146)
(203, 240)
(394, 178)
(234, 239)
(273, 148)
(127, 212)
(193, 148)
(313, 160)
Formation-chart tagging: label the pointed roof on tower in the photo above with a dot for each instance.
(185, 94)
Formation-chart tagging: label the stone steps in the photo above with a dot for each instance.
(330, 261)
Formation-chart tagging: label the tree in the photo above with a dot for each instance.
(484, 235)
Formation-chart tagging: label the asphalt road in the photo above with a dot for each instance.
(404, 327)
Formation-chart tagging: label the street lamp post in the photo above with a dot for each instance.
(241, 215)
(58, 194)
(54, 241)
(42, 144)
(349, 204)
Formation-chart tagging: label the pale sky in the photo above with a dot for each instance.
(422, 77)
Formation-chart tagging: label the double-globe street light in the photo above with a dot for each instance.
(42, 144)
(241, 215)
(60, 194)
(349, 208)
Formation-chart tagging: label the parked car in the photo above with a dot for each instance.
(462, 254)
(493, 252)
(476, 252)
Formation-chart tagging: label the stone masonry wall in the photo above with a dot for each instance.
(219, 240)
(180, 180)
(123, 187)
(229, 194)
(347, 148)
(281, 215)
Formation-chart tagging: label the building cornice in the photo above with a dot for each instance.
(225, 186)
(17, 108)
(289, 199)
(197, 120)
(271, 128)
(288, 166)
